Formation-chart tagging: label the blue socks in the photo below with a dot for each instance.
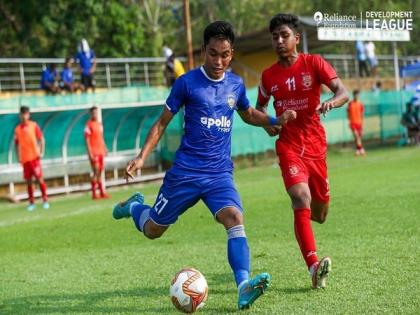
(140, 214)
(238, 253)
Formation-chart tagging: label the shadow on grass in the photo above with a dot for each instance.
(86, 303)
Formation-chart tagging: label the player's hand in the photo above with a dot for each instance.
(132, 167)
(324, 107)
(273, 130)
(287, 116)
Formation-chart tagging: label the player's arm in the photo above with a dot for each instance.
(41, 143)
(257, 118)
(339, 99)
(17, 149)
(272, 131)
(152, 140)
(88, 146)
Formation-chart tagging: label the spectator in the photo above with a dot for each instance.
(410, 121)
(371, 57)
(355, 111)
(67, 80)
(86, 59)
(362, 59)
(173, 67)
(49, 79)
(377, 88)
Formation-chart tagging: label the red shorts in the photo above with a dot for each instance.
(98, 162)
(32, 169)
(296, 170)
(356, 128)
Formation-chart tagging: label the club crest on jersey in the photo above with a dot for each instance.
(274, 88)
(306, 80)
(231, 100)
(293, 170)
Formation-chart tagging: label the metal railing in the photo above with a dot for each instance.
(22, 74)
(347, 66)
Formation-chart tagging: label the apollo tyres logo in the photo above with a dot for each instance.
(223, 123)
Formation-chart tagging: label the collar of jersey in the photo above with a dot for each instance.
(213, 80)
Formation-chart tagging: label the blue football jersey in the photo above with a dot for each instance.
(209, 107)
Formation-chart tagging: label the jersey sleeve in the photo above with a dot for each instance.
(263, 94)
(88, 131)
(243, 101)
(178, 95)
(38, 132)
(325, 71)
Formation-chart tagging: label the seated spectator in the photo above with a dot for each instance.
(67, 81)
(49, 80)
(410, 121)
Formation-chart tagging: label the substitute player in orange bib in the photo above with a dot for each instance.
(355, 112)
(96, 149)
(30, 145)
(294, 81)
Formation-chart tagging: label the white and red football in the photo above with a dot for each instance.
(188, 290)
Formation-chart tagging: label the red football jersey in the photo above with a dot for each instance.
(298, 87)
(94, 133)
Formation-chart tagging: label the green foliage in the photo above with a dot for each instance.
(127, 28)
(75, 259)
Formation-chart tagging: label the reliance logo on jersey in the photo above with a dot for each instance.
(223, 123)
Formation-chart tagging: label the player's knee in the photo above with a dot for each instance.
(152, 231)
(230, 217)
(301, 199)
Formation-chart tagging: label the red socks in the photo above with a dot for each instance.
(43, 188)
(101, 188)
(305, 236)
(93, 183)
(31, 194)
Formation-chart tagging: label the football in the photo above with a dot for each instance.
(188, 290)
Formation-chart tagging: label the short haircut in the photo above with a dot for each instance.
(280, 19)
(92, 109)
(356, 92)
(24, 109)
(220, 30)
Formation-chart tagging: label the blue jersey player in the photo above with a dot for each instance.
(203, 168)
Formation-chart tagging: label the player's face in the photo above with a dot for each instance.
(24, 117)
(94, 114)
(218, 54)
(284, 41)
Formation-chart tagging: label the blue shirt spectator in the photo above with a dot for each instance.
(85, 57)
(48, 78)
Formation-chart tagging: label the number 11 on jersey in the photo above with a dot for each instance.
(291, 84)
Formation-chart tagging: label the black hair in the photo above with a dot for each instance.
(409, 104)
(356, 92)
(24, 109)
(92, 109)
(53, 66)
(280, 19)
(219, 30)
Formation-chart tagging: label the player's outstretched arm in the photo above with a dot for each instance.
(339, 99)
(256, 118)
(272, 131)
(152, 140)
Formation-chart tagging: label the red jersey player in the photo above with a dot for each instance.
(96, 149)
(294, 82)
(355, 112)
(30, 146)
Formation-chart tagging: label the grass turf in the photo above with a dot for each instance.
(74, 258)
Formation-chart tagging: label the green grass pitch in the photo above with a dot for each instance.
(75, 259)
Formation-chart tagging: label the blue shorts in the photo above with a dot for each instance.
(179, 192)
